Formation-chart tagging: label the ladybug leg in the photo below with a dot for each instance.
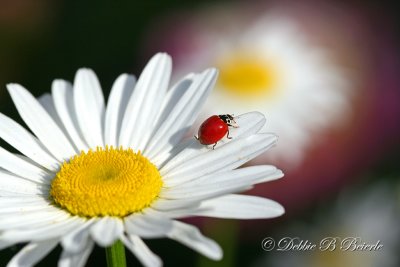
(227, 135)
(214, 145)
(196, 137)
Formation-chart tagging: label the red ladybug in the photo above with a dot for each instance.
(215, 128)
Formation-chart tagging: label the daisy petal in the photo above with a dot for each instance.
(205, 192)
(32, 162)
(116, 106)
(221, 181)
(14, 184)
(183, 114)
(147, 226)
(54, 229)
(176, 204)
(5, 201)
(170, 101)
(253, 174)
(76, 240)
(23, 168)
(6, 244)
(136, 245)
(240, 207)
(32, 253)
(40, 122)
(47, 103)
(144, 104)
(18, 137)
(172, 97)
(190, 236)
(176, 213)
(32, 219)
(5, 193)
(89, 104)
(78, 259)
(249, 123)
(20, 202)
(106, 231)
(64, 104)
(18, 208)
(226, 157)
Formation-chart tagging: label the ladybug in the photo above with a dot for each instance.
(215, 128)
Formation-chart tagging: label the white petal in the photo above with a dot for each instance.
(106, 231)
(47, 103)
(176, 204)
(240, 207)
(64, 104)
(252, 174)
(89, 106)
(79, 259)
(145, 102)
(176, 213)
(183, 114)
(203, 193)
(32, 162)
(6, 244)
(173, 96)
(116, 106)
(18, 137)
(20, 201)
(228, 156)
(32, 219)
(14, 184)
(148, 226)
(141, 251)
(21, 208)
(55, 229)
(23, 168)
(165, 157)
(77, 239)
(12, 211)
(40, 122)
(222, 182)
(249, 124)
(32, 253)
(191, 237)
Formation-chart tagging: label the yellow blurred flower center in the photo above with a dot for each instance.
(247, 75)
(106, 182)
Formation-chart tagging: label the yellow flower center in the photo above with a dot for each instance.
(106, 182)
(247, 75)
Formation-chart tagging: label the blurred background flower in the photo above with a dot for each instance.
(326, 73)
(267, 63)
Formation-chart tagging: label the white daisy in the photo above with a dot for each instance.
(96, 174)
(269, 64)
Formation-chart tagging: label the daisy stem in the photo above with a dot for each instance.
(115, 255)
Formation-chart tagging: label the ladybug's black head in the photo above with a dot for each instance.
(228, 119)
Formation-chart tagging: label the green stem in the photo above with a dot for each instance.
(115, 255)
